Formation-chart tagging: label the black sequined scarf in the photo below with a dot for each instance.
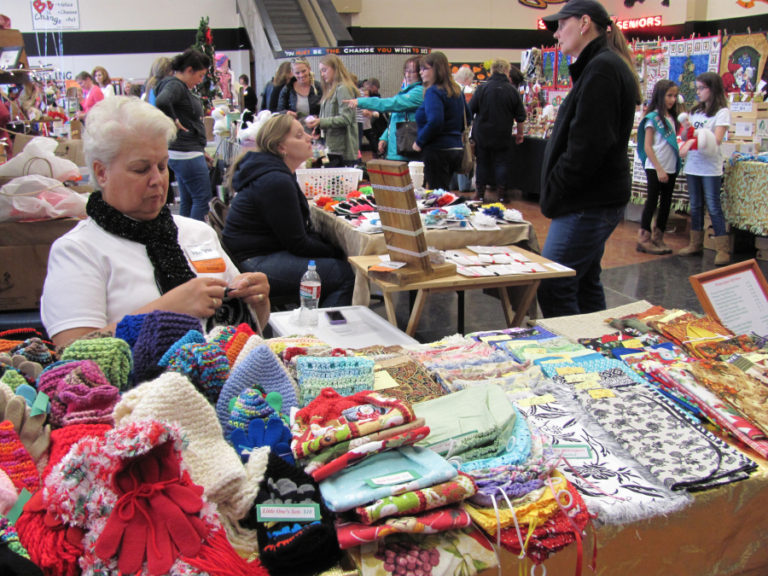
(159, 237)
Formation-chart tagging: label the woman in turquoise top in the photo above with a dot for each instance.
(402, 106)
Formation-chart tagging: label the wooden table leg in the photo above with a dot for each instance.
(525, 303)
(390, 308)
(506, 305)
(418, 308)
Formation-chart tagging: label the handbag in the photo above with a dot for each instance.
(406, 133)
(467, 156)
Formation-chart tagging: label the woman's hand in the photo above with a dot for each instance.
(311, 122)
(382, 146)
(352, 103)
(416, 147)
(253, 289)
(662, 176)
(180, 126)
(199, 297)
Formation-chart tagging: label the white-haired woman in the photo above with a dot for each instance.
(131, 256)
(268, 227)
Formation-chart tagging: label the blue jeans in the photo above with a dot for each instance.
(284, 271)
(194, 186)
(577, 240)
(706, 189)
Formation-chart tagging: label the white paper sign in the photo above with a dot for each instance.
(744, 128)
(761, 129)
(741, 106)
(55, 14)
(739, 302)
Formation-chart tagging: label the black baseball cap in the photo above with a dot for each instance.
(591, 8)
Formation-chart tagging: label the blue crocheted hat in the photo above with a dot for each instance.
(206, 366)
(159, 331)
(249, 405)
(191, 337)
(260, 369)
(129, 327)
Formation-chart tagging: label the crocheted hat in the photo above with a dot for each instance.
(204, 364)
(295, 548)
(89, 405)
(113, 356)
(116, 471)
(212, 462)
(249, 405)
(129, 327)
(34, 350)
(62, 375)
(220, 335)
(159, 331)
(253, 342)
(16, 461)
(235, 344)
(345, 374)
(13, 378)
(260, 369)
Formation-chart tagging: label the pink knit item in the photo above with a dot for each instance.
(52, 381)
(89, 405)
(16, 461)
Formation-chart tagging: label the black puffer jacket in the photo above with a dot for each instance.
(288, 98)
(585, 163)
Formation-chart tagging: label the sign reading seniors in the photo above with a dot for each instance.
(58, 14)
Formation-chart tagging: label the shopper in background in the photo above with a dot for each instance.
(337, 120)
(101, 77)
(131, 256)
(250, 101)
(188, 158)
(92, 94)
(441, 121)
(302, 94)
(704, 167)
(270, 97)
(657, 148)
(161, 68)
(268, 227)
(402, 107)
(498, 109)
(585, 178)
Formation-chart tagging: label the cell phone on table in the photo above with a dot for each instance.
(335, 317)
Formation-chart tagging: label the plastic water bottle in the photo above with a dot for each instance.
(309, 295)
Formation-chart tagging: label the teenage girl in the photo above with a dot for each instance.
(657, 148)
(704, 167)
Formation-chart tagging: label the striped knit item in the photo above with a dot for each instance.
(205, 365)
(16, 461)
(236, 343)
(345, 374)
(62, 375)
(263, 370)
(159, 331)
(86, 405)
(191, 337)
(249, 405)
(220, 335)
(113, 356)
(129, 327)
(34, 350)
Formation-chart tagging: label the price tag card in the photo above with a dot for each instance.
(598, 393)
(536, 400)
(393, 479)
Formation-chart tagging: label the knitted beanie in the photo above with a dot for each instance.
(62, 375)
(129, 327)
(89, 405)
(34, 350)
(204, 364)
(13, 378)
(16, 461)
(293, 548)
(220, 335)
(159, 331)
(212, 462)
(249, 405)
(63, 439)
(261, 369)
(238, 340)
(8, 493)
(113, 356)
(191, 337)
(116, 472)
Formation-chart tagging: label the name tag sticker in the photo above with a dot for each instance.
(206, 258)
(393, 479)
(288, 512)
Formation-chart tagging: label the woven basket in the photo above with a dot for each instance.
(347, 375)
(328, 181)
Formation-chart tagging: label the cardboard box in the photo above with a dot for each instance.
(24, 248)
(709, 235)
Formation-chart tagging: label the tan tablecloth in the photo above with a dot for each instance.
(744, 202)
(354, 243)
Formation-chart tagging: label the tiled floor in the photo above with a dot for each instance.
(627, 276)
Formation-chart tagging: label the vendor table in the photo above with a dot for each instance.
(458, 283)
(744, 203)
(363, 327)
(355, 243)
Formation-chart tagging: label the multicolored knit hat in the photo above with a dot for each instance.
(263, 370)
(249, 405)
(113, 356)
(220, 335)
(203, 363)
(159, 331)
(129, 327)
(87, 405)
(16, 461)
(237, 341)
(62, 375)
(345, 374)
(116, 472)
(34, 350)
(295, 548)
(212, 462)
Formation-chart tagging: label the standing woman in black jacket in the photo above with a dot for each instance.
(585, 177)
(302, 94)
(186, 154)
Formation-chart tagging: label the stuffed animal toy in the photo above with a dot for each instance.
(219, 116)
(247, 134)
(704, 139)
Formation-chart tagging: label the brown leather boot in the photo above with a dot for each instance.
(657, 239)
(644, 243)
(696, 244)
(723, 250)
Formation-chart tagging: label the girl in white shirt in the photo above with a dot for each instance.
(704, 167)
(657, 148)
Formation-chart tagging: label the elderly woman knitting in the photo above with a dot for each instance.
(131, 256)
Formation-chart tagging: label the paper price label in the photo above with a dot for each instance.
(288, 512)
(570, 370)
(536, 400)
(598, 393)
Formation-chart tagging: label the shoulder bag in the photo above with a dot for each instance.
(467, 157)
(405, 135)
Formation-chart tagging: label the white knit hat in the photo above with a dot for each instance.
(212, 463)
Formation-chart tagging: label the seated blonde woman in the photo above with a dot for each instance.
(131, 256)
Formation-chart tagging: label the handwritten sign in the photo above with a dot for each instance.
(55, 14)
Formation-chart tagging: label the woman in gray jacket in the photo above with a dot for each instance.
(337, 120)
